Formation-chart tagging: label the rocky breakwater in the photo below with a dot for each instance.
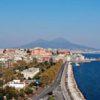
(75, 93)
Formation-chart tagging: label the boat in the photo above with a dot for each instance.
(76, 64)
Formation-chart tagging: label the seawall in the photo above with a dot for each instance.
(72, 87)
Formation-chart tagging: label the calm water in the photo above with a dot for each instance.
(87, 76)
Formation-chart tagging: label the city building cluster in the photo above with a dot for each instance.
(10, 56)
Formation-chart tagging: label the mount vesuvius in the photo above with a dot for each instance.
(56, 43)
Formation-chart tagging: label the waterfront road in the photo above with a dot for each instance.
(56, 87)
(58, 93)
(63, 84)
(53, 85)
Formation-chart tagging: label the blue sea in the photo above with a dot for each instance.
(87, 77)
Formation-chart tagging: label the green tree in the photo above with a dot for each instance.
(8, 75)
(1, 96)
(11, 93)
(51, 98)
(20, 76)
(49, 75)
(45, 79)
(22, 93)
(28, 90)
(21, 65)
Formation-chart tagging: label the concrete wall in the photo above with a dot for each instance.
(72, 86)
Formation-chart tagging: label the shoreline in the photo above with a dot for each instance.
(73, 89)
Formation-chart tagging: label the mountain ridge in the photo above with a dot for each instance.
(56, 43)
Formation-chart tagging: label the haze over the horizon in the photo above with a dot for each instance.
(23, 21)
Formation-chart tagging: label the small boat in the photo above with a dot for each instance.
(76, 64)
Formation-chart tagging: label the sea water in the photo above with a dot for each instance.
(87, 77)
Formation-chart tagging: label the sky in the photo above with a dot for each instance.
(23, 21)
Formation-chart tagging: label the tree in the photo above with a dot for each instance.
(21, 65)
(49, 75)
(51, 98)
(21, 93)
(45, 79)
(1, 82)
(34, 60)
(11, 92)
(20, 76)
(1, 96)
(28, 90)
(8, 75)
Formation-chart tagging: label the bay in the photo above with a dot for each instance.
(87, 77)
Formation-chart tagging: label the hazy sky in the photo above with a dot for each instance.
(23, 21)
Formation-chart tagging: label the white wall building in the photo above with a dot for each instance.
(30, 73)
(3, 59)
(68, 58)
(77, 57)
(17, 84)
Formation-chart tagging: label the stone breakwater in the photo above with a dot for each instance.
(75, 93)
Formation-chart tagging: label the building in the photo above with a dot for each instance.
(41, 54)
(77, 57)
(1, 51)
(17, 84)
(63, 51)
(30, 73)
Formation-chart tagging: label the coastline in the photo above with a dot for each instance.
(72, 85)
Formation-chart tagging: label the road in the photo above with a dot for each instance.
(63, 84)
(56, 87)
(58, 93)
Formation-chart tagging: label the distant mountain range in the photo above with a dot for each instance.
(56, 43)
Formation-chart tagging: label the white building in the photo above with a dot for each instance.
(16, 58)
(58, 57)
(30, 73)
(77, 57)
(17, 84)
(3, 59)
(68, 58)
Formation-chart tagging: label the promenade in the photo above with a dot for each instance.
(63, 84)
(75, 93)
